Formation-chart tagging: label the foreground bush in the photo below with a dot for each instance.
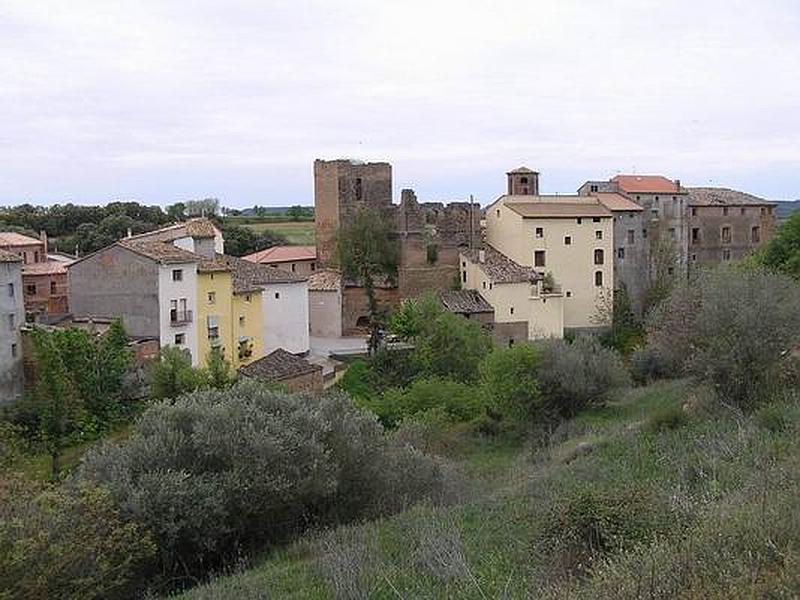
(219, 472)
(732, 328)
(510, 378)
(577, 375)
(68, 543)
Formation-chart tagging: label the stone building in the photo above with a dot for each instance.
(726, 225)
(301, 260)
(12, 317)
(285, 369)
(430, 235)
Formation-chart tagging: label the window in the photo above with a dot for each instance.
(177, 274)
(490, 285)
(13, 350)
(484, 284)
(656, 199)
(567, 240)
(538, 258)
(726, 255)
(644, 234)
(212, 324)
(671, 271)
(638, 197)
(498, 213)
(180, 339)
(654, 213)
(36, 256)
(12, 321)
(510, 342)
(620, 253)
(463, 277)
(763, 212)
(598, 235)
(53, 290)
(631, 236)
(742, 210)
(511, 310)
(212, 297)
(248, 298)
(313, 266)
(569, 294)
(695, 235)
(672, 233)
(540, 232)
(598, 278)
(755, 234)
(11, 290)
(241, 321)
(277, 295)
(694, 212)
(523, 180)
(359, 189)
(593, 188)
(579, 220)
(694, 257)
(598, 257)
(294, 268)
(595, 219)
(30, 289)
(726, 235)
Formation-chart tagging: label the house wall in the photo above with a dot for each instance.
(325, 313)
(300, 267)
(572, 265)
(220, 283)
(30, 253)
(664, 213)
(285, 309)
(632, 269)
(250, 307)
(709, 249)
(176, 290)
(355, 306)
(116, 282)
(50, 296)
(310, 382)
(11, 308)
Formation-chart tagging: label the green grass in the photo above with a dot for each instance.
(299, 233)
(605, 507)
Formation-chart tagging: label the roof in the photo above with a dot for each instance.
(9, 256)
(12, 238)
(279, 365)
(324, 281)
(249, 276)
(465, 302)
(647, 184)
(162, 252)
(710, 196)
(499, 268)
(213, 265)
(45, 268)
(613, 201)
(197, 228)
(521, 170)
(283, 254)
(548, 208)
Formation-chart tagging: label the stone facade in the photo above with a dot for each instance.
(12, 317)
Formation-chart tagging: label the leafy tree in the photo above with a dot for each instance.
(368, 253)
(412, 318)
(218, 371)
(451, 346)
(173, 375)
(298, 213)
(782, 253)
(509, 377)
(240, 241)
(459, 402)
(177, 211)
(207, 207)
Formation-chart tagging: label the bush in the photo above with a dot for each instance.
(577, 375)
(452, 347)
(68, 543)
(173, 374)
(666, 418)
(457, 402)
(647, 366)
(220, 471)
(509, 377)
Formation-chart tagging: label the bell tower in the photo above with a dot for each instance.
(523, 182)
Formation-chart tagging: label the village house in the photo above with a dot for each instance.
(44, 280)
(12, 317)
(301, 260)
(284, 369)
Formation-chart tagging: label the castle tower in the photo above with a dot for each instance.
(341, 187)
(523, 182)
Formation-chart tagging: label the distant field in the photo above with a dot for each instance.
(299, 233)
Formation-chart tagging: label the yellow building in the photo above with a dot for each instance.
(229, 315)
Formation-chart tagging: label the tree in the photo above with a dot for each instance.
(664, 259)
(414, 316)
(782, 253)
(207, 207)
(177, 211)
(240, 241)
(173, 375)
(218, 371)
(451, 347)
(298, 213)
(509, 377)
(458, 402)
(367, 253)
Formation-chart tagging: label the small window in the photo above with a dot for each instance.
(695, 235)
(598, 256)
(484, 284)
(598, 235)
(694, 257)
(595, 219)
(313, 266)
(620, 253)
(511, 310)
(593, 188)
(672, 233)
(177, 274)
(538, 258)
(14, 350)
(755, 234)
(294, 268)
(644, 233)
(656, 199)
(763, 212)
(539, 232)
(463, 277)
(180, 339)
(248, 298)
(359, 189)
(567, 240)
(12, 321)
(742, 211)
(523, 180)
(569, 294)
(725, 211)
(53, 290)
(30, 289)
(726, 235)
(638, 197)
(631, 236)
(671, 270)
(277, 295)
(212, 297)
(694, 212)
(498, 213)
(579, 220)
(241, 321)
(490, 285)
(726, 255)
(10, 290)
(510, 342)
(598, 278)
(654, 213)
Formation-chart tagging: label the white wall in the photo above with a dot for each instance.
(285, 307)
(175, 290)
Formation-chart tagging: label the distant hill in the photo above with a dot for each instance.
(786, 208)
(249, 212)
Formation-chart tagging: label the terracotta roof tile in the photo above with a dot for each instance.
(710, 196)
(45, 268)
(499, 268)
(569, 207)
(199, 228)
(162, 252)
(12, 238)
(647, 184)
(465, 302)
(9, 256)
(279, 365)
(277, 254)
(325, 280)
(613, 201)
(249, 276)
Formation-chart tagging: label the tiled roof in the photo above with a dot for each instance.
(283, 254)
(12, 238)
(647, 184)
(499, 268)
(45, 268)
(9, 256)
(162, 252)
(548, 208)
(213, 265)
(613, 201)
(710, 196)
(521, 170)
(465, 302)
(249, 276)
(199, 228)
(279, 365)
(325, 280)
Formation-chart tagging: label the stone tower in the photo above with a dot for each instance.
(523, 182)
(341, 187)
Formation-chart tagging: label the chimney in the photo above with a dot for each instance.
(43, 237)
(481, 256)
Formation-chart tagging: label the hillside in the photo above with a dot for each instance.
(656, 494)
(786, 208)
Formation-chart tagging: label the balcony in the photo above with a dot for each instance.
(178, 318)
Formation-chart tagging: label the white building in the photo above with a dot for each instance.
(12, 316)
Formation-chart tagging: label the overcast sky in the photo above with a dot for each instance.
(161, 101)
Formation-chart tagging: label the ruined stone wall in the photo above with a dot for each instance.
(355, 313)
(707, 247)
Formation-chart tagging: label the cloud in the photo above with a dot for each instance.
(164, 101)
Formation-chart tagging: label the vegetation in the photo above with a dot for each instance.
(782, 253)
(240, 241)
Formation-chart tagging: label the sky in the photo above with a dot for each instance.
(166, 101)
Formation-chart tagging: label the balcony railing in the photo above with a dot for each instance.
(179, 317)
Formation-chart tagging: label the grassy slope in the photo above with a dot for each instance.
(721, 518)
(299, 233)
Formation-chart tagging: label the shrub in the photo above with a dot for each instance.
(173, 374)
(666, 418)
(218, 471)
(648, 366)
(509, 378)
(577, 375)
(451, 347)
(68, 543)
(458, 402)
(772, 418)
